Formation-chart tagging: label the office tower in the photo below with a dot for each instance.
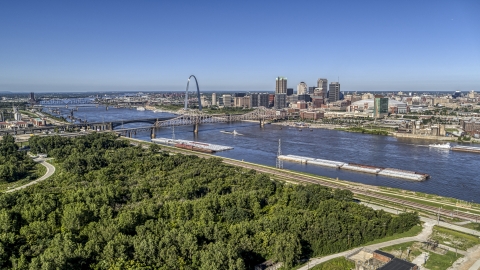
(380, 106)
(214, 99)
(281, 85)
(32, 97)
(302, 88)
(322, 84)
(334, 92)
(311, 90)
(289, 91)
(258, 100)
(280, 101)
(227, 100)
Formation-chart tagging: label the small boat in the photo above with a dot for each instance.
(140, 108)
(441, 146)
(234, 132)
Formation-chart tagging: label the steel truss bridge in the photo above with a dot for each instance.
(194, 117)
(64, 101)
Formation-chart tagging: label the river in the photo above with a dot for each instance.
(453, 174)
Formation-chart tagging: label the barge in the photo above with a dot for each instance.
(470, 149)
(362, 168)
(410, 175)
(193, 148)
(327, 163)
(191, 145)
(390, 172)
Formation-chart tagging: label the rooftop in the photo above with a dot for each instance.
(397, 264)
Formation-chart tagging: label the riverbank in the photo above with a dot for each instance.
(379, 132)
(400, 199)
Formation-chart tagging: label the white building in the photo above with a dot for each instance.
(302, 88)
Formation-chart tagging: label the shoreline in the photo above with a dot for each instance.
(392, 134)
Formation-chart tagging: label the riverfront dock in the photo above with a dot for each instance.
(390, 172)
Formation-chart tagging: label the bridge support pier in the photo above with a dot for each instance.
(262, 123)
(152, 134)
(195, 128)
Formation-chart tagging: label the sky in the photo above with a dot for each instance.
(243, 45)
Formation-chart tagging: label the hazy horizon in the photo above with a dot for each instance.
(157, 45)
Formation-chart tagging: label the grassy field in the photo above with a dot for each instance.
(412, 232)
(473, 226)
(454, 239)
(339, 263)
(441, 262)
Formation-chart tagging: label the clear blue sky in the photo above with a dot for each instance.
(239, 45)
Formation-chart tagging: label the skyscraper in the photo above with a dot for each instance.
(380, 105)
(281, 85)
(322, 85)
(280, 101)
(214, 99)
(302, 88)
(334, 92)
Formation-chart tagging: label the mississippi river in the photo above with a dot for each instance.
(453, 174)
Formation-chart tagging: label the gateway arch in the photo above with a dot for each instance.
(198, 94)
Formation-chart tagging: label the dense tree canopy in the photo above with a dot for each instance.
(14, 164)
(115, 206)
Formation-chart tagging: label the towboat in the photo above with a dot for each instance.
(440, 146)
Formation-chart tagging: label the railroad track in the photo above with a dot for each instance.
(314, 180)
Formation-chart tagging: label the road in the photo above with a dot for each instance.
(473, 261)
(50, 172)
(423, 236)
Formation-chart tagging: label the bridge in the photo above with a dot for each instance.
(196, 118)
(63, 101)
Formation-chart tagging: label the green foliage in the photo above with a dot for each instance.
(367, 131)
(14, 164)
(115, 206)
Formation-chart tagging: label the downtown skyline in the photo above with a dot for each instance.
(125, 46)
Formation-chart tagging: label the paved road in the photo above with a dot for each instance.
(427, 230)
(50, 171)
(424, 219)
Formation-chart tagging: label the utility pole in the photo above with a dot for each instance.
(279, 153)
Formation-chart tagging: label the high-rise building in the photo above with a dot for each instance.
(280, 101)
(311, 90)
(302, 88)
(227, 100)
(322, 85)
(281, 85)
(32, 97)
(259, 100)
(242, 102)
(214, 99)
(380, 106)
(289, 91)
(334, 92)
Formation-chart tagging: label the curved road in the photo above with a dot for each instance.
(50, 171)
(423, 236)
